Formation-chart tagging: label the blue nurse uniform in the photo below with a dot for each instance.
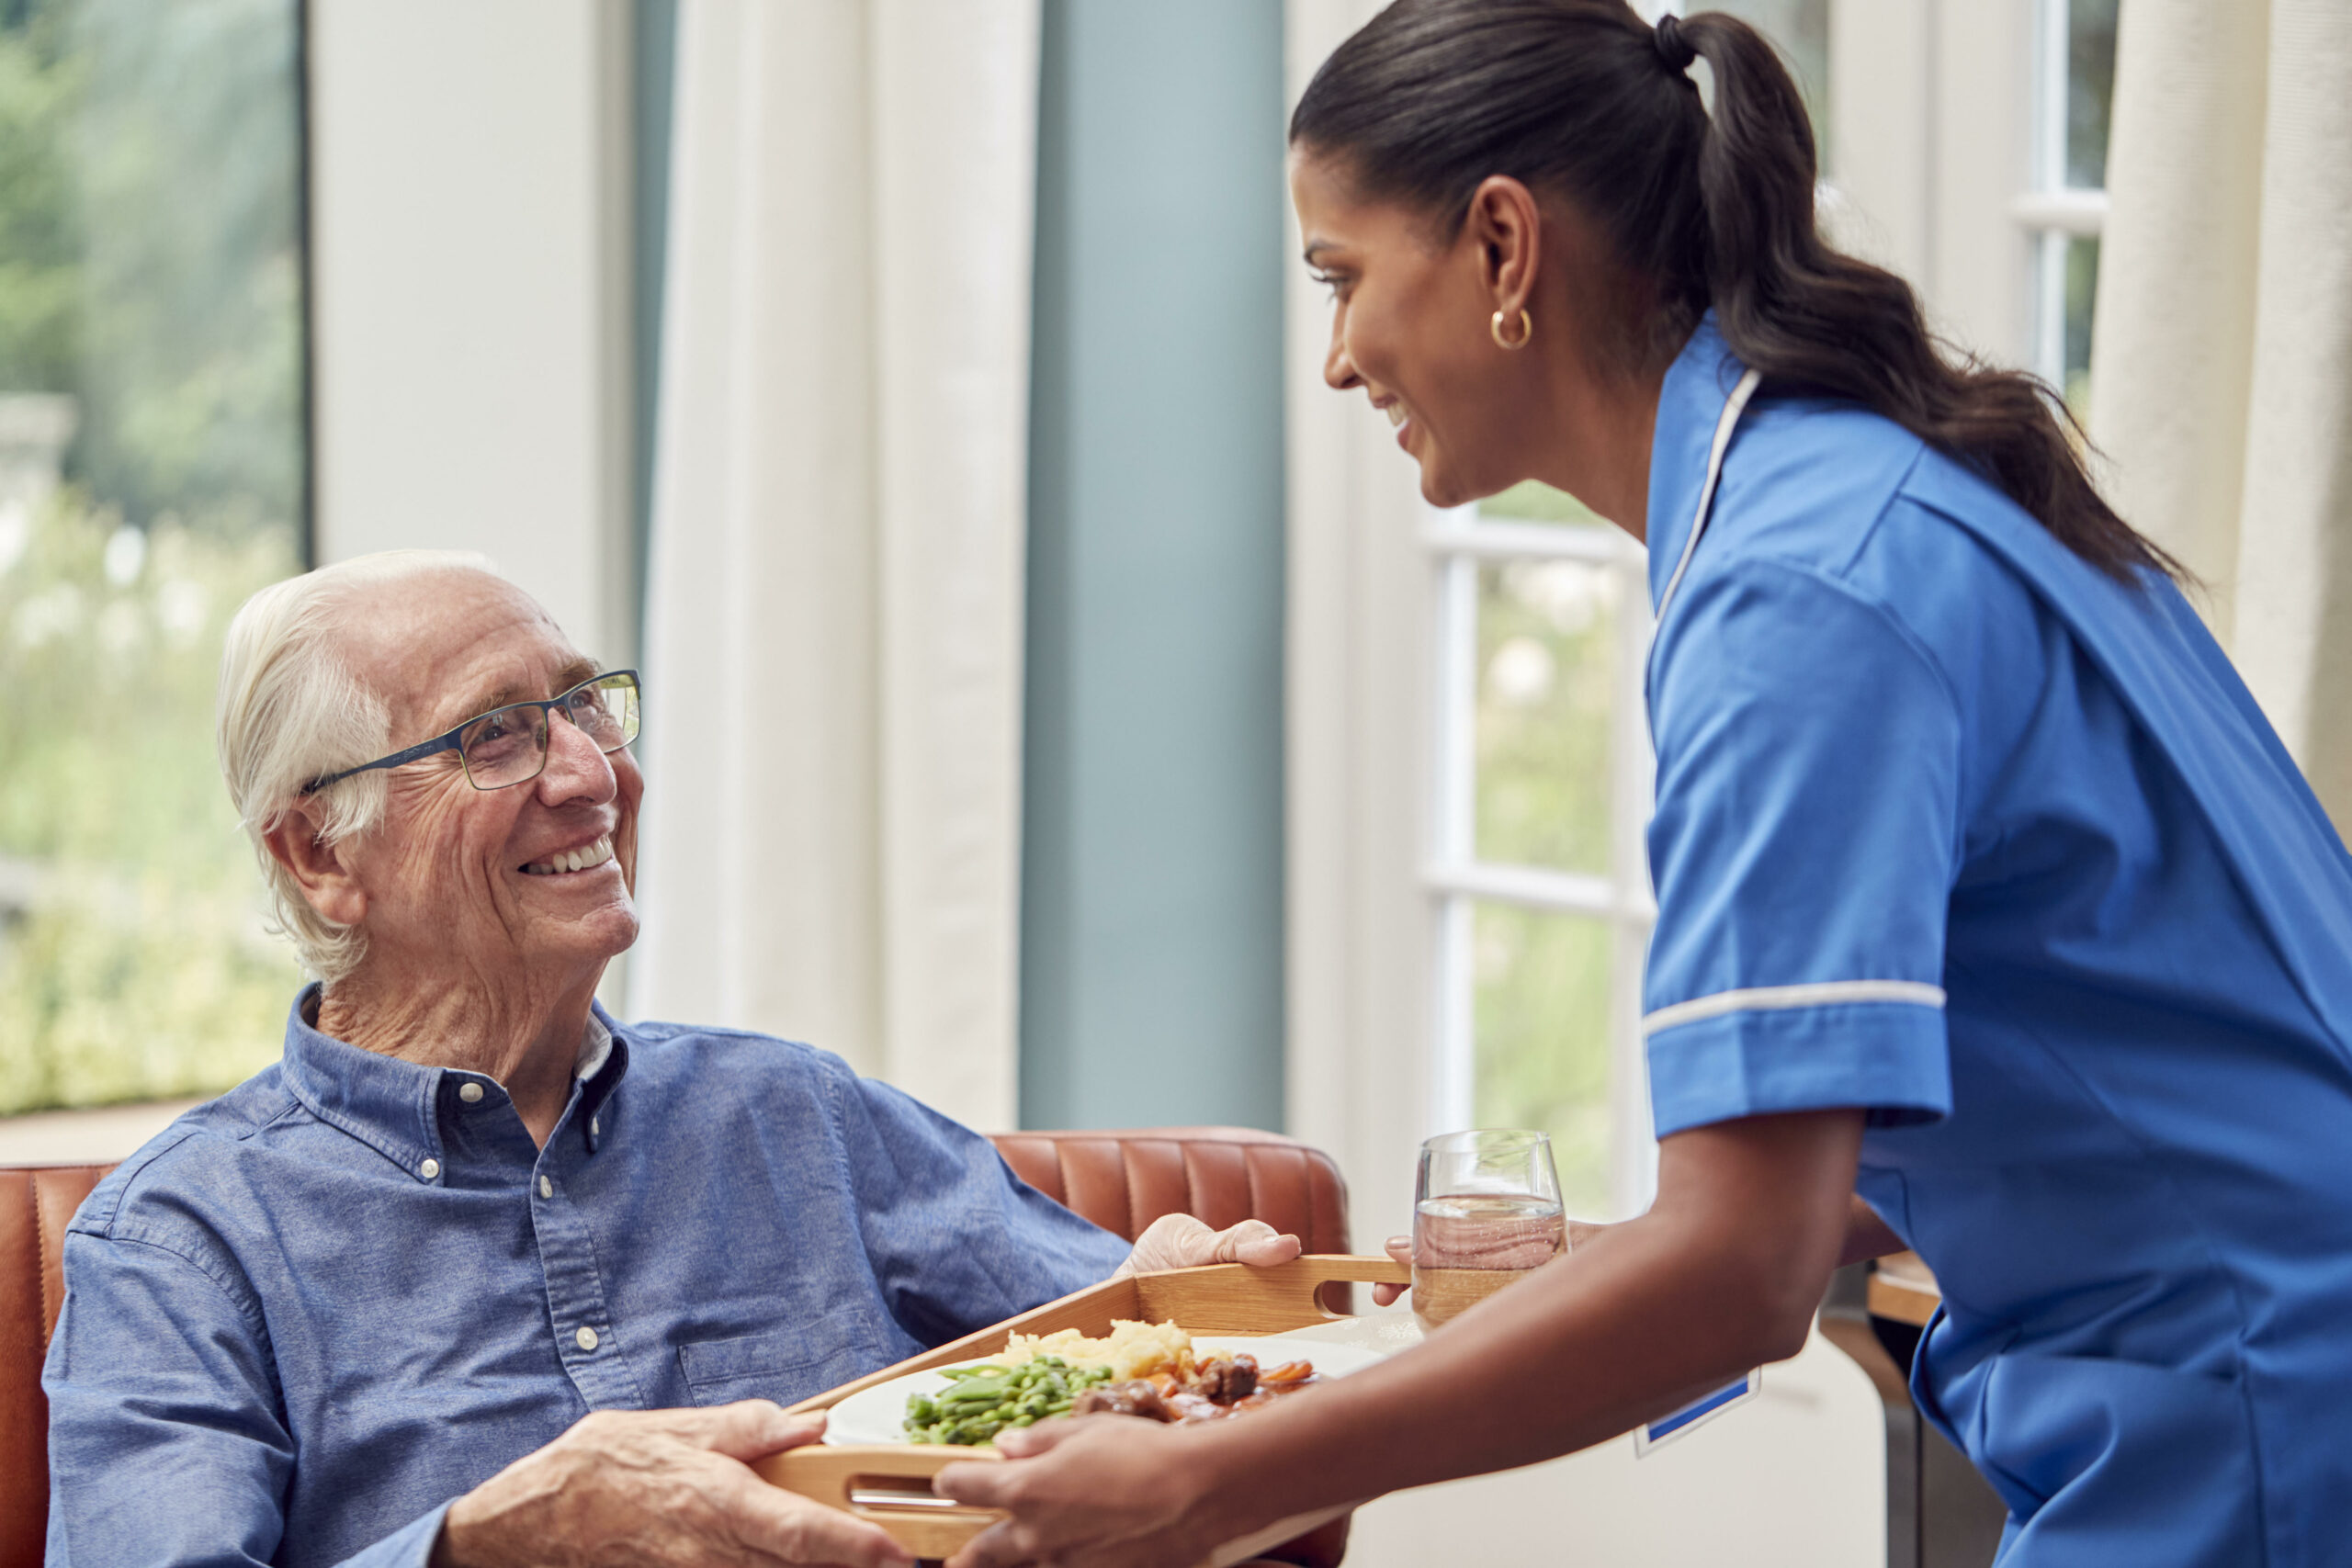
(1956, 828)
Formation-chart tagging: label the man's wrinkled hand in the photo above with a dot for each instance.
(662, 1488)
(1180, 1241)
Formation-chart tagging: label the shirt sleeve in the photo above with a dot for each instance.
(957, 1241)
(165, 1442)
(1804, 849)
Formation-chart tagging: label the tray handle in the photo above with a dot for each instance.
(889, 1484)
(1233, 1298)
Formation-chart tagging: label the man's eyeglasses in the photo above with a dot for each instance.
(509, 745)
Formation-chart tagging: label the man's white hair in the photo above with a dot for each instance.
(291, 711)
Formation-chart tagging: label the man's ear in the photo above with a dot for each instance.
(327, 883)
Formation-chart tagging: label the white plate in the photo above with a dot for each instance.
(878, 1415)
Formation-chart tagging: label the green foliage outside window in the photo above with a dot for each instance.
(132, 961)
(1547, 672)
(152, 466)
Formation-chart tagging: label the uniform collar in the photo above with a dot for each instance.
(394, 1107)
(1688, 405)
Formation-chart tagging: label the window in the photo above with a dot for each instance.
(2066, 208)
(1538, 871)
(153, 473)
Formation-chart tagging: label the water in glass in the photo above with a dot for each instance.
(1486, 1213)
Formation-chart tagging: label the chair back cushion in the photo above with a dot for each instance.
(1122, 1181)
(35, 1203)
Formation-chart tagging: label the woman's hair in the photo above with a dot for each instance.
(1583, 98)
(291, 711)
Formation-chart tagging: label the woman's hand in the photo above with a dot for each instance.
(1096, 1492)
(653, 1487)
(1180, 1241)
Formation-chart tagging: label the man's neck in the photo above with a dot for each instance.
(528, 1042)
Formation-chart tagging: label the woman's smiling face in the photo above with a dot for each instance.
(1410, 325)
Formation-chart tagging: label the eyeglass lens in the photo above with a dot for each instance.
(510, 745)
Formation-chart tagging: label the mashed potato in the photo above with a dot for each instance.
(1133, 1350)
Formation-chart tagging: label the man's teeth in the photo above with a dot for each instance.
(1395, 414)
(594, 854)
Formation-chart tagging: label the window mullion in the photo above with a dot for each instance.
(1451, 1087)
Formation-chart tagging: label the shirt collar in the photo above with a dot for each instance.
(393, 1106)
(1688, 405)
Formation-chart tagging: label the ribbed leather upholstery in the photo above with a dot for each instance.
(1122, 1181)
(35, 1203)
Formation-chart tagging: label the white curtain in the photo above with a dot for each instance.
(2222, 375)
(834, 615)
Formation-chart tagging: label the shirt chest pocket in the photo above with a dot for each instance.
(783, 1364)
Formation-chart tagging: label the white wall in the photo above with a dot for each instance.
(469, 255)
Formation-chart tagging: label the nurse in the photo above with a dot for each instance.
(1993, 918)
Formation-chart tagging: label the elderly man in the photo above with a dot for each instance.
(476, 1275)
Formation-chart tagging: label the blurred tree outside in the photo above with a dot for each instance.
(153, 460)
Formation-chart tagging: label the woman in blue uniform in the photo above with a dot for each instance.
(1985, 891)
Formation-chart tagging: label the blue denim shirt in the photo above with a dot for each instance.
(311, 1313)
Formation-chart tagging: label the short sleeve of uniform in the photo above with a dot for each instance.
(1804, 849)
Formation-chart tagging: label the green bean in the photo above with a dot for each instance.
(982, 1401)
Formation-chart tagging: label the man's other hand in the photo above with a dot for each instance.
(1180, 1241)
(659, 1487)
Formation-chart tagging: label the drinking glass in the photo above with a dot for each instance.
(1486, 1212)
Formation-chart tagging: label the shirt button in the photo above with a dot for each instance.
(547, 1190)
(429, 1169)
(595, 1127)
(470, 1093)
(585, 1338)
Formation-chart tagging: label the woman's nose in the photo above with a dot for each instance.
(1339, 370)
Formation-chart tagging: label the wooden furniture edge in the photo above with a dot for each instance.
(1892, 1296)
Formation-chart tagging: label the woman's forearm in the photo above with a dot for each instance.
(1648, 1315)
(1570, 1357)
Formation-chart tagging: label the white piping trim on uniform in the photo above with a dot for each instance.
(1825, 993)
(1732, 407)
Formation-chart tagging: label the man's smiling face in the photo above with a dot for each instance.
(460, 881)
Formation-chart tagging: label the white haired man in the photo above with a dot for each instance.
(476, 1275)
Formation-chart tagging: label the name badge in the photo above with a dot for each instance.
(1698, 1413)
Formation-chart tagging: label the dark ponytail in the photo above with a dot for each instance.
(1584, 99)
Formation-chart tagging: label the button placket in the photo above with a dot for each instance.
(577, 1310)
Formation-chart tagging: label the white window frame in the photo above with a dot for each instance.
(2053, 213)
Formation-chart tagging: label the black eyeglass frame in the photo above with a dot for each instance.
(448, 741)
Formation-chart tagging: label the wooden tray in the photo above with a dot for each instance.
(890, 1483)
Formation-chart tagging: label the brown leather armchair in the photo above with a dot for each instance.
(1121, 1181)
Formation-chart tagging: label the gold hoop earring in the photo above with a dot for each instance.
(1526, 331)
